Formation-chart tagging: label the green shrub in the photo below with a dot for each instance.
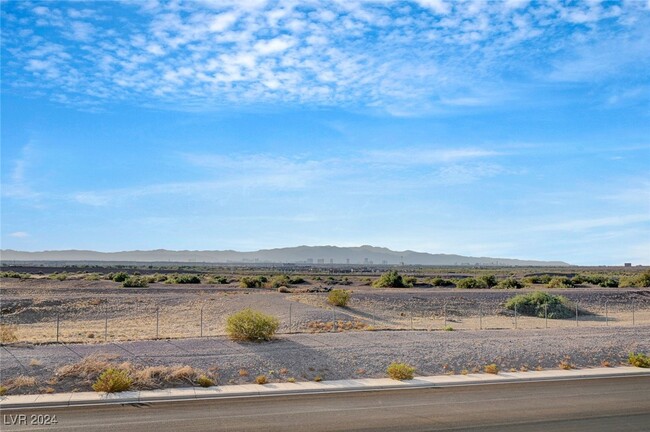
(640, 281)
(391, 279)
(471, 283)
(112, 381)
(532, 304)
(639, 360)
(120, 277)
(59, 276)
(93, 277)
(218, 280)
(339, 297)
(135, 282)
(252, 282)
(560, 282)
(251, 325)
(440, 282)
(510, 283)
(16, 275)
(448, 328)
(400, 371)
(183, 279)
(489, 280)
(280, 280)
(609, 283)
(205, 381)
(410, 280)
(538, 279)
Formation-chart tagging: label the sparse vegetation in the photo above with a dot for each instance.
(318, 378)
(532, 304)
(440, 282)
(538, 279)
(135, 282)
(448, 328)
(560, 282)
(639, 360)
(471, 283)
(217, 280)
(261, 379)
(339, 297)
(205, 381)
(13, 274)
(183, 279)
(252, 282)
(112, 381)
(639, 281)
(7, 333)
(391, 279)
(491, 369)
(251, 325)
(120, 277)
(400, 371)
(510, 283)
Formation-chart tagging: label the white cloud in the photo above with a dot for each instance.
(424, 156)
(274, 45)
(19, 234)
(587, 224)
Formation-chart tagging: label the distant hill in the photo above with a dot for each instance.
(297, 255)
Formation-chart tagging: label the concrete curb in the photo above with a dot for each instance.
(298, 388)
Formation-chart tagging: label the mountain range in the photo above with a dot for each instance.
(294, 255)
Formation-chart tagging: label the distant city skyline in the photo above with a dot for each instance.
(510, 129)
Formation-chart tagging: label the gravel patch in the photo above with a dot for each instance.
(341, 355)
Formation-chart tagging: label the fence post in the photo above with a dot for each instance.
(201, 321)
(157, 321)
(57, 328)
(546, 315)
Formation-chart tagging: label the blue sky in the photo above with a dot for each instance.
(506, 129)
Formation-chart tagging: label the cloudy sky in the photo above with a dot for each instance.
(493, 128)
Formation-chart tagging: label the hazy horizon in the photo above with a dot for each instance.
(503, 129)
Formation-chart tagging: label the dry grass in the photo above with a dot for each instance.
(605, 363)
(335, 326)
(21, 381)
(35, 362)
(566, 364)
(243, 373)
(7, 333)
(491, 369)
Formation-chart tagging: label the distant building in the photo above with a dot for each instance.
(321, 261)
(628, 264)
(310, 260)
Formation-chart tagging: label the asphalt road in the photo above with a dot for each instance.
(613, 404)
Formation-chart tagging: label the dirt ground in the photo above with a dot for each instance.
(96, 311)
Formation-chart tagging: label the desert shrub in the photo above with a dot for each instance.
(391, 279)
(489, 280)
(261, 379)
(609, 283)
(93, 277)
(296, 280)
(339, 297)
(510, 283)
(135, 282)
(400, 371)
(639, 360)
(3, 390)
(560, 282)
(640, 281)
(183, 279)
(59, 276)
(205, 381)
(280, 280)
(491, 369)
(318, 378)
(252, 282)
(410, 280)
(538, 279)
(578, 279)
(218, 280)
(471, 283)
(7, 333)
(16, 275)
(448, 328)
(112, 381)
(440, 282)
(565, 364)
(21, 381)
(251, 325)
(532, 304)
(291, 380)
(120, 277)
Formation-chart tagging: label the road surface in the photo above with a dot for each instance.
(610, 404)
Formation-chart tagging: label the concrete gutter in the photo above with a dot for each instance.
(298, 388)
